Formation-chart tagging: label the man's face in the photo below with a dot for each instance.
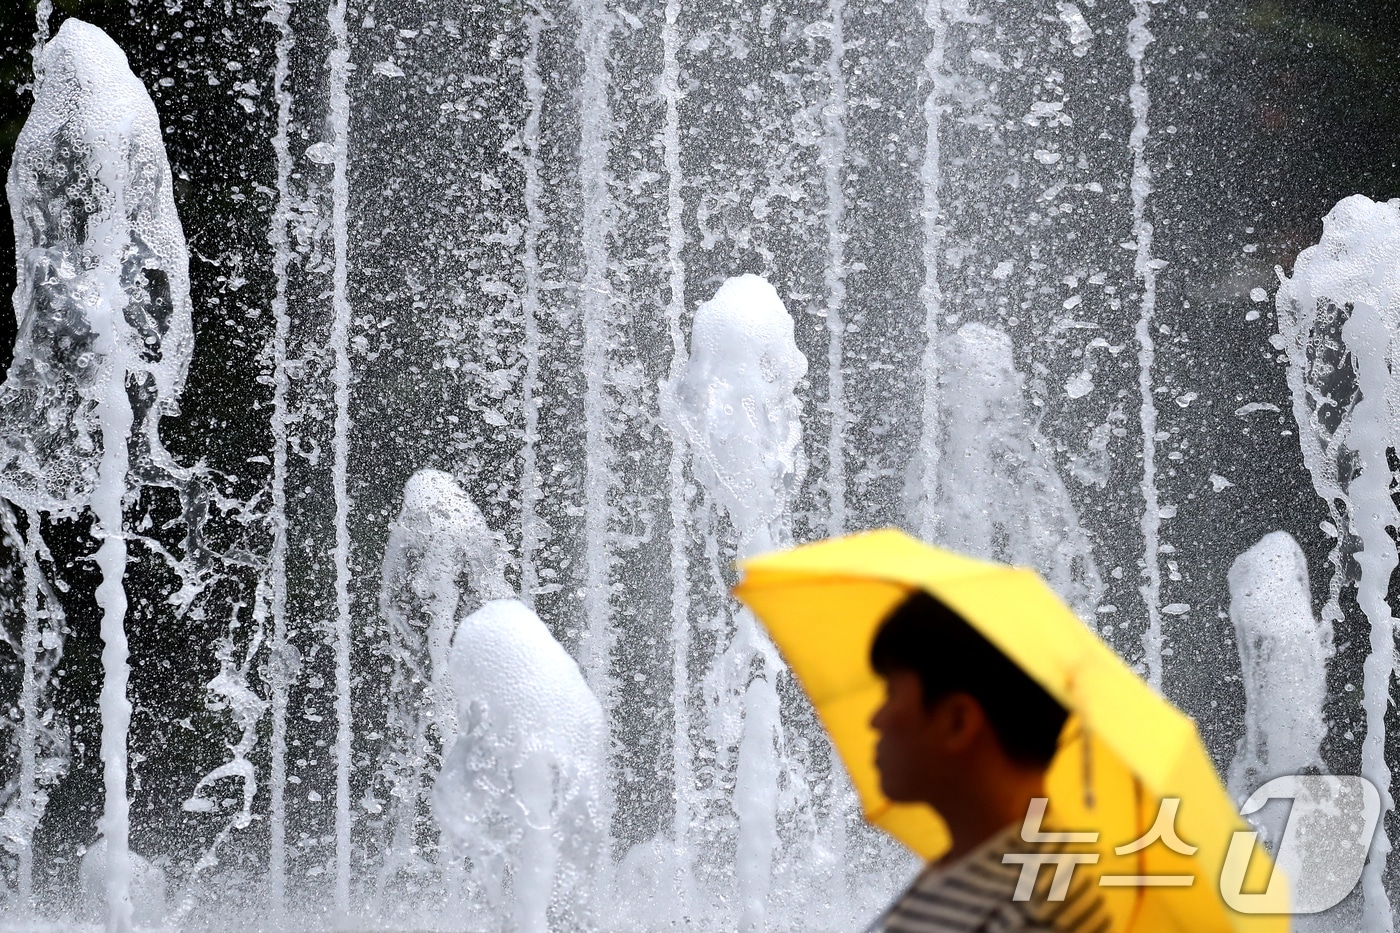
(922, 752)
(906, 753)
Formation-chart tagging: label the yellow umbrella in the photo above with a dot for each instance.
(1124, 750)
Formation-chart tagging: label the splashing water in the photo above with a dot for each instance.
(441, 561)
(523, 794)
(1283, 657)
(484, 245)
(999, 494)
(1283, 653)
(104, 342)
(740, 409)
(43, 751)
(148, 886)
(438, 546)
(282, 663)
(738, 404)
(1337, 316)
(1145, 269)
(103, 293)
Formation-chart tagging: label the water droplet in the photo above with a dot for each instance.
(1079, 385)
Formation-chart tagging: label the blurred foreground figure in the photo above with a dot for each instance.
(966, 731)
(971, 706)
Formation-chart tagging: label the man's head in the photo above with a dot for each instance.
(956, 710)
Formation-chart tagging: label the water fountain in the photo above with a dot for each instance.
(104, 345)
(1337, 314)
(507, 333)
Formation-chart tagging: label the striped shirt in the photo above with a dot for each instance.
(976, 894)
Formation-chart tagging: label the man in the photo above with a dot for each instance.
(968, 732)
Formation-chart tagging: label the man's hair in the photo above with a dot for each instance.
(924, 636)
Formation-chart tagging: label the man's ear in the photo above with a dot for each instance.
(963, 721)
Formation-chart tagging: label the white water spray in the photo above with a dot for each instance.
(1283, 663)
(1145, 267)
(769, 155)
(595, 122)
(42, 11)
(230, 689)
(281, 670)
(148, 886)
(1338, 315)
(834, 165)
(440, 562)
(999, 495)
(739, 408)
(531, 527)
(1283, 656)
(339, 345)
(43, 748)
(103, 307)
(89, 106)
(682, 750)
(930, 292)
(18, 822)
(1373, 436)
(523, 789)
(114, 414)
(741, 413)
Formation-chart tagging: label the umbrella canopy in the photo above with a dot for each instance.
(1123, 752)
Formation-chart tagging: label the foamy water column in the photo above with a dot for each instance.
(104, 339)
(1283, 661)
(998, 494)
(283, 662)
(740, 411)
(1145, 269)
(1337, 319)
(931, 290)
(96, 234)
(1283, 657)
(42, 753)
(338, 120)
(687, 804)
(523, 789)
(148, 887)
(441, 559)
